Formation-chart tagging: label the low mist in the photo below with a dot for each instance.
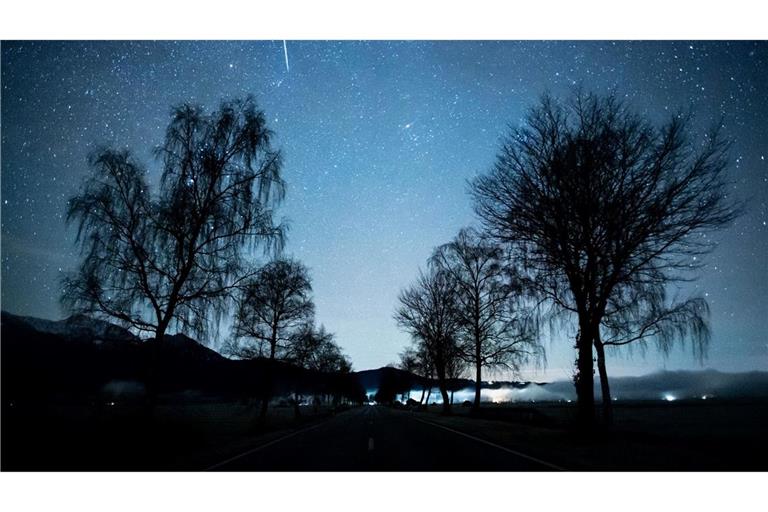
(663, 386)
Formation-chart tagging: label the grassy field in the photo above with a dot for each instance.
(661, 436)
(657, 436)
(176, 437)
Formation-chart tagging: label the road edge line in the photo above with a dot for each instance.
(265, 445)
(489, 443)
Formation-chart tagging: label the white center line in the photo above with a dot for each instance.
(370, 444)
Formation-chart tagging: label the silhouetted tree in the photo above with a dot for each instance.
(316, 349)
(408, 362)
(174, 259)
(428, 312)
(415, 359)
(272, 308)
(595, 201)
(497, 330)
(411, 362)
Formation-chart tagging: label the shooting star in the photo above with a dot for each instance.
(285, 52)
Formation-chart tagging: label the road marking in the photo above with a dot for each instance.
(504, 448)
(266, 445)
(370, 444)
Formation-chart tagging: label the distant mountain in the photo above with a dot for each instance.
(81, 357)
(75, 328)
(372, 380)
(188, 348)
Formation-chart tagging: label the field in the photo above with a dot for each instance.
(178, 437)
(694, 436)
(659, 436)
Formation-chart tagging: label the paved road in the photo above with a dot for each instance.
(380, 439)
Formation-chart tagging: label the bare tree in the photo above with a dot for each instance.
(174, 259)
(428, 312)
(316, 349)
(411, 362)
(497, 330)
(595, 200)
(415, 359)
(272, 308)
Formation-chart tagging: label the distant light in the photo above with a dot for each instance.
(569, 401)
(111, 403)
(704, 397)
(670, 398)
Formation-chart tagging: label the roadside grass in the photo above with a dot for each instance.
(647, 436)
(178, 436)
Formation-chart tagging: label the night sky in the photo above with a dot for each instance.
(379, 139)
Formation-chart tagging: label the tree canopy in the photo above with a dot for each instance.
(598, 204)
(175, 257)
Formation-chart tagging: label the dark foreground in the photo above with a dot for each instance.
(376, 438)
(220, 437)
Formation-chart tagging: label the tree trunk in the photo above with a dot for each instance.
(584, 379)
(446, 399)
(443, 385)
(423, 390)
(478, 350)
(478, 384)
(268, 382)
(272, 348)
(604, 386)
(452, 391)
(263, 410)
(296, 407)
(429, 393)
(266, 393)
(153, 369)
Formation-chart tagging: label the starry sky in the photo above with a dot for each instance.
(379, 139)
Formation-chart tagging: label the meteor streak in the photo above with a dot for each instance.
(285, 52)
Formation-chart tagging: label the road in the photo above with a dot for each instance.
(374, 438)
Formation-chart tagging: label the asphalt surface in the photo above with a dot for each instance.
(373, 438)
